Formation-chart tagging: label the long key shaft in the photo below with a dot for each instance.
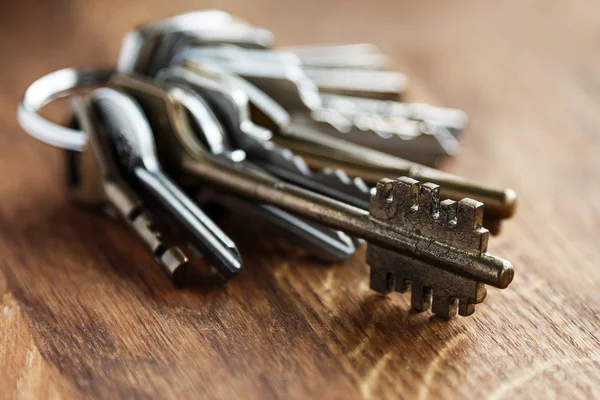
(355, 221)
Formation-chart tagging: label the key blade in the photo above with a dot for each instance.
(326, 244)
(150, 46)
(358, 56)
(403, 138)
(335, 183)
(452, 119)
(213, 243)
(361, 83)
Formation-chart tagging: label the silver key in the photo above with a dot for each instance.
(149, 47)
(453, 120)
(130, 134)
(296, 93)
(385, 85)
(356, 56)
(368, 83)
(250, 63)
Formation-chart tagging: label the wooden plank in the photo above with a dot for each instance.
(86, 313)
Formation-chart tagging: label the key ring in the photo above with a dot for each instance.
(48, 88)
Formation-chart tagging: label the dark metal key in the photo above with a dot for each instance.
(95, 180)
(129, 133)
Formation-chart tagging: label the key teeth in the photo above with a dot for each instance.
(448, 211)
(405, 194)
(381, 199)
(429, 199)
(465, 309)
(340, 174)
(447, 307)
(381, 281)
(416, 207)
(142, 224)
(469, 214)
(402, 285)
(420, 298)
(337, 178)
(444, 307)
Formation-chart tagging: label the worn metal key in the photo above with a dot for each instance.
(443, 254)
(150, 46)
(96, 179)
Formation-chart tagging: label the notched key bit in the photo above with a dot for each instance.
(453, 229)
(171, 259)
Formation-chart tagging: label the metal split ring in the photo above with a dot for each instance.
(48, 88)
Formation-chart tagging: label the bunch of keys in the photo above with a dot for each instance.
(201, 106)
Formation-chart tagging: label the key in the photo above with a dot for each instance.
(96, 180)
(129, 133)
(361, 55)
(445, 252)
(320, 151)
(421, 142)
(291, 88)
(358, 82)
(452, 119)
(261, 67)
(385, 85)
(327, 245)
(149, 47)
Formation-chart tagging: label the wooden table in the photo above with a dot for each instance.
(86, 313)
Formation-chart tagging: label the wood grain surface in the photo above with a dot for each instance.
(86, 313)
